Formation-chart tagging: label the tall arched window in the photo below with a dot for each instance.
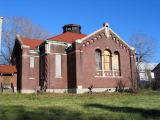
(98, 58)
(116, 61)
(107, 60)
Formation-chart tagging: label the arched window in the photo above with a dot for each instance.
(116, 61)
(98, 58)
(107, 60)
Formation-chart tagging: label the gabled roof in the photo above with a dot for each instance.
(156, 68)
(33, 43)
(68, 37)
(107, 32)
(147, 66)
(7, 69)
(120, 38)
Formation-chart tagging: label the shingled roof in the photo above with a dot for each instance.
(68, 37)
(7, 69)
(156, 68)
(33, 43)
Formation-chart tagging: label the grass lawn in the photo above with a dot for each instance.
(104, 106)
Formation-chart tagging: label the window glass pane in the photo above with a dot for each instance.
(107, 60)
(106, 66)
(98, 60)
(106, 52)
(116, 62)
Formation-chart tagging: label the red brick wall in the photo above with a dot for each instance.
(85, 63)
(53, 82)
(13, 79)
(30, 76)
(27, 78)
(71, 69)
(78, 65)
(47, 71)
(157, 77)
(17, 60)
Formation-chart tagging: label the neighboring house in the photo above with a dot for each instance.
(146, 73)
(73, 62)
(8, 77)
(156, 71)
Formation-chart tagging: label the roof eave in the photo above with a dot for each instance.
(58, 43)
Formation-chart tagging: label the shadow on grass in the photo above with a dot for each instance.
(43, 113)
(146, 113)
(62, 113)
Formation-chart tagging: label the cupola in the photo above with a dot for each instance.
(72, 28)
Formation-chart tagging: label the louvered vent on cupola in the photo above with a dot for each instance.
(72, 28)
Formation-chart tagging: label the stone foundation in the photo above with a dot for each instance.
(74, 90)
(27, 91)
(84, 90)
(57, 90)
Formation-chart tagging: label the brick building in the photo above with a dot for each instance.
(73, 62)
(8, 78)
(156, 72)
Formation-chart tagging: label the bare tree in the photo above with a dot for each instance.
(18, 25)
(144, 47)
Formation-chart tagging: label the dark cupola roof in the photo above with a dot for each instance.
(72, 28)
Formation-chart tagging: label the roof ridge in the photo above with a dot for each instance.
(6, 65)
(95, 32)
(68, 37)
(29, 42)
(32, 38)
(120, 38)
(7, 69)
(65, 33)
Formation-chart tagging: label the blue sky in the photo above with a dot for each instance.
(124, 16)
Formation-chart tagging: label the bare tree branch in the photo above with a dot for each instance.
(144, 46)
(18, 25)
